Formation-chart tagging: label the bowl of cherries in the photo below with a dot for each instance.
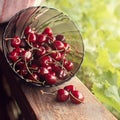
(43, 46)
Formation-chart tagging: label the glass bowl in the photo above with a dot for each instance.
(38, 19)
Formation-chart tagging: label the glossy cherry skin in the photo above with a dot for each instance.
(56, 56)
(23, 71)
(41, 38)
(59, 45)
(42, 71)
(14, 56)
(67, 47)
(31, 38)
(18, 50)
(69, 88)
(61, 74)
(76, 97)
(56, 68)
(41, 51)
(26, 55)
(48, 31)
(16, 41)
(62, 95)
(27, 30)
(68, 65)
(50, 79)
(45, 61)
(33, 77)
(60, 37)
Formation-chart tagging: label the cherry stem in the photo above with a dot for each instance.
(16, 63)
(32, 74)
(48, 93)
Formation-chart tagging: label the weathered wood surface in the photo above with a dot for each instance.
(38, 106)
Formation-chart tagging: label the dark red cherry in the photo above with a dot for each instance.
(67, 47)
(69, 88)
(62, 95)
(42, 71)
(61, 74)
(41, 38)
(68, 65)
(56, 68)
(26, 55)
(14, 56)
(18, 50)
(76, 97)
(49, 67)
(34, 66)
(50, 79)
(41, 51)
(47, 31)
(59, 45)
(31, 37)
(23, 71)
(16, 41)
(56, 56)
(33, 77)
(27, 30)
(20, 64)
(45, 60)
(60, 37)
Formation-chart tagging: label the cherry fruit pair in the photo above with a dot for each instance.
(67, 92)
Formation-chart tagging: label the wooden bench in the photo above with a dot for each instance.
(33, 105)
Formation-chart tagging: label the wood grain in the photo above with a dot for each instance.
(38, 106)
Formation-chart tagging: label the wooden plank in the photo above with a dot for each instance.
(46, 107)
(36, 106)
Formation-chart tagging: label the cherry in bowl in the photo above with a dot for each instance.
(45, 48)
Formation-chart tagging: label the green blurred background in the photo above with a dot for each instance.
(99, 23)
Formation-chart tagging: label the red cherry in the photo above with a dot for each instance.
(16, 41)
(76, 97)
(33, 77)
(61, 74)
(27, 55)
(67, 47)
(49, 68)
(41, 38)
(20, 64)
(18, 50)
(13, 56)
(62, 95)
(68, 65)
(45, 60)
(42, 71)
(23, 71)
(50, 79)
(34, 66)
(41, 51)
(27, 30)
(31, 37)
(48, 31)
(56, 68)
(60, 37)
(69, 88)
(56, 55)
(59, 45)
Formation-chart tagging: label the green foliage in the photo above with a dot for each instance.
(98, 21)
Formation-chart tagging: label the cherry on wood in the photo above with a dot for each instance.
(38, 106)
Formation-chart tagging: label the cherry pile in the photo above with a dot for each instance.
(67, 92)
(41, 57)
